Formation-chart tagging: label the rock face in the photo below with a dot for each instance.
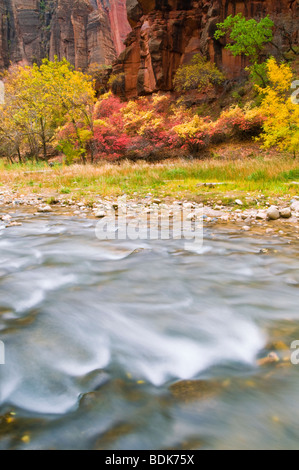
(83, 31)
(166, 33)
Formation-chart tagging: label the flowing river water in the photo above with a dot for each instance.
(143, 344)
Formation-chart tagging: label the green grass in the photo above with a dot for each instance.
(178, 179)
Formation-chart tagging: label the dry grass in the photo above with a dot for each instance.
(177, 178)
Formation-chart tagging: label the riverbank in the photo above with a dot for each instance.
(254, 220)
(260, 192)
(237, 169)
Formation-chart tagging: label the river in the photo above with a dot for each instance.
(144, 344)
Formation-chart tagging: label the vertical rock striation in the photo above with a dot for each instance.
(83, 31)
(166, 33)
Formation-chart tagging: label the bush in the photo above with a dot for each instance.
(200, 75)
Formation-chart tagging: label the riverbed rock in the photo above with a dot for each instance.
(239, 202)
(272, 358)
(100, 214)
(191, 217)
(295, 206)
(285, 213)
(190, 390)
(44, 209)
(261, 215)
(273, 213)
(6, 217)
(14, 224)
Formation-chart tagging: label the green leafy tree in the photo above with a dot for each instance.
(248, 37)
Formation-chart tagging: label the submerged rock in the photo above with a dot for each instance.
(272, 358)
(188, 390)
(6, 217)
(14, 224)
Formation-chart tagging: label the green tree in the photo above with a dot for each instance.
(248, 37)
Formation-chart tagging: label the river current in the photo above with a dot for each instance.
(144, 344)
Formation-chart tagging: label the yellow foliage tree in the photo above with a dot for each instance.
(281, 127)
(39, 99)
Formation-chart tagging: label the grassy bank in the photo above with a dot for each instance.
(273, 177)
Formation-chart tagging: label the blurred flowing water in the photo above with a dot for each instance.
(142, 344)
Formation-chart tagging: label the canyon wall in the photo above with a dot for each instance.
(166, 33)
(83, 31)
(159, 35)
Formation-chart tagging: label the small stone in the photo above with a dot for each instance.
(14, 224)
(43, 209)
(273, 213)
(191, 217)
(189, 205)
(239, 202)
(295, 205)
(246, 228)
(286, 213)
(261, 215)
(272, 358)
(100, 214)
(6, 217)
(218, 208)
(157, 201)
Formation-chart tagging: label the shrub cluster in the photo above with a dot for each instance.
(153, 128)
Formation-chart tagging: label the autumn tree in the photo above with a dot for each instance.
(281, 126)
(199, 75)
(74, 95)
(39, 100)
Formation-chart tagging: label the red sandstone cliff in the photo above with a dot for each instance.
(166, 33)
(83, 31)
